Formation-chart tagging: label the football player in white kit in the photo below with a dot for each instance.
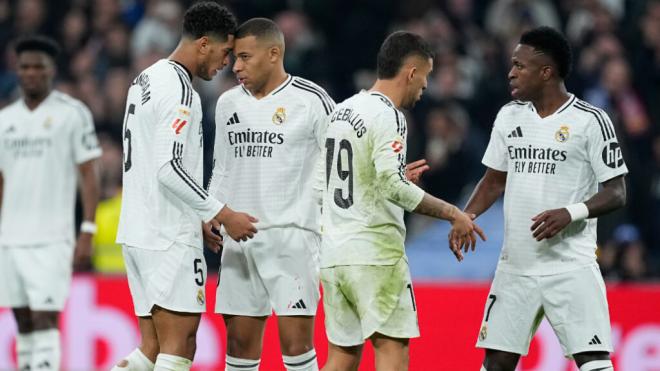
(548, 153)
(163, 202)
(269, 134)
(367, 291)
(47, 140)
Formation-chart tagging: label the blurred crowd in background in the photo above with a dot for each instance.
(616, 66)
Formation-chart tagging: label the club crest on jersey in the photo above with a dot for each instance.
(562, 134)
(184, 112)
(178, 125)
(48, 123)
(200, 297)
(279, 116)
(483, 333)
(397, 145)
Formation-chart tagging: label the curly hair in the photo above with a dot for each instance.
(208, 18)
(551, 42)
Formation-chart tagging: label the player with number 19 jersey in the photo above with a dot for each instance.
(366, 187)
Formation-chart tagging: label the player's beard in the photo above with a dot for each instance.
(203, 71)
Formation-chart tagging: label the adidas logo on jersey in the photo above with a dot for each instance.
(299, 305)
(233, 119)
(595, 340)
(516, 133)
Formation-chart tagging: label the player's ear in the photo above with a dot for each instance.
(546, 72)
(275, 53)
(203, 44)
(412, 71)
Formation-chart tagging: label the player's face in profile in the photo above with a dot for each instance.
(525, 74)
(35, 72)
(419, 81)
(253, 62)
(216, 57)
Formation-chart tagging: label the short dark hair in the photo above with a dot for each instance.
(208, 18)
(552, 43)
(38, 43)
(260, 28)
(396, 48)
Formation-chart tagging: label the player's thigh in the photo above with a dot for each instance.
(384, 299)
(240, 290)
(46, 272)
(391, 353)
(288, 265)
(512, 313)
(245, 335)
(12, 291)
(173, 279)
(575, 303)
(342, 322)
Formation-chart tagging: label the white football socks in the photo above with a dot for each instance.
(168, 362)
(136, 361)
(304, 362)
(240, 364)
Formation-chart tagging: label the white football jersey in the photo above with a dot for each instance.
(267, 153)
(551, 162)
(366, 188)
(40, 151)
(163, 201)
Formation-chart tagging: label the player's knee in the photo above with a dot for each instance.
(244, 347)
(294, 348)
(191, 345)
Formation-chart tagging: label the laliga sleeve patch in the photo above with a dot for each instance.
(612, 156)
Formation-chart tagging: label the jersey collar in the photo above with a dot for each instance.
(181, 66)
(562, 108)
(382, 96)
(278, 89)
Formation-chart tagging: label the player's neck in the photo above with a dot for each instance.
(34, 100)
(276, 79)
(184, 58)
(390, 89)
(549, 101)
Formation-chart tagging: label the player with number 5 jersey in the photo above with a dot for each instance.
(163, 201)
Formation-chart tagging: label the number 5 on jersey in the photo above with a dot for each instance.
(344, 166)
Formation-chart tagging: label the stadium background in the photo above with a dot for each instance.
(616, 66)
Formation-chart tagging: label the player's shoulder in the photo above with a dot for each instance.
(516, 107)
(310, 93)
(377, 104)
(588, 111)
(169, 78)
(62, 101)
(12, 108)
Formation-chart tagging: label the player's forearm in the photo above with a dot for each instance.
(397, 189)
(89, 189)
(611, 197)
(176, 179)
(487, 191)
(437, 208)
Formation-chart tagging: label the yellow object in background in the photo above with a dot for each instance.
(107, 257)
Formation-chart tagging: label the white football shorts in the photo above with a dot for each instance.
(360, 300)
(574, 303)
(173, 279)
(277, 270)
(36, 276)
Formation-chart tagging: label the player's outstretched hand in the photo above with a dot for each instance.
(83, 252)
(550, 222)
(212, 237)
(462, 235)
(415, 169)
(238, 225)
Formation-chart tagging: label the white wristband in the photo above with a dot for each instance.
(578, 211)
(88, 227)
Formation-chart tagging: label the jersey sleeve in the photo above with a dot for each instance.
(171, 139)
(389, 157)
(603, 148)
(496, 156)
(220, 150)
(320, 119)
(85, 144)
